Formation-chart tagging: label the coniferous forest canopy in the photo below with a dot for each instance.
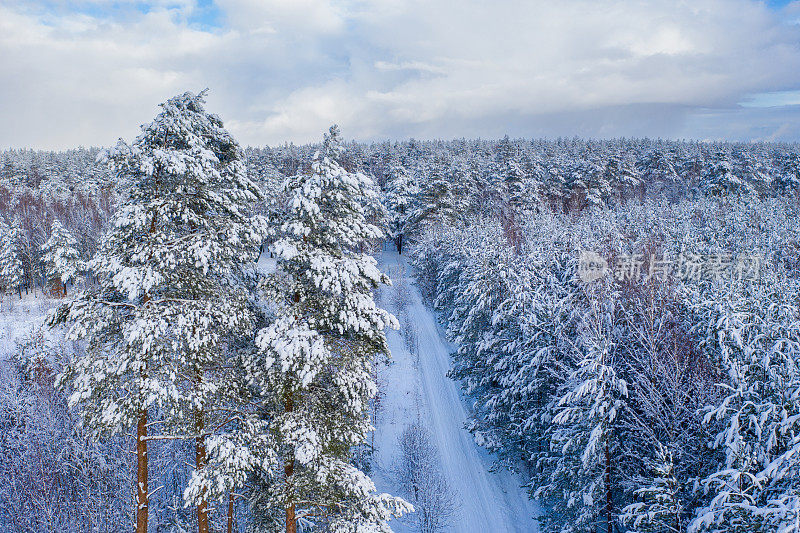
(195, 332)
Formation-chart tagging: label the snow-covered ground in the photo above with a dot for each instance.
(417, 388)
(19, 318)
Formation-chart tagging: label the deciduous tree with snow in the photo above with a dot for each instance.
(418, 472)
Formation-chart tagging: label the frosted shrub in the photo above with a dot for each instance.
(417, 472)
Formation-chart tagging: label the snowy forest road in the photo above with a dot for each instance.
(418, 388)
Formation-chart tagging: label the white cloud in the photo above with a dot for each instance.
(286, 16)
(285, 69)
(772, 99)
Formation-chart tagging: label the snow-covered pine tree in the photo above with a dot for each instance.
(472, 288)
(465, 182)
(660, 173)
(754, 170)
(400, 192)
(753, 333)
(170, 291)
(10, 262)
(543, 361)
(554, 183)
(517, 186)
(787, 174)
(432, 249)
(263, 172)
(588, 183)
(61, 257)
(659, 508)
(436, 202)
(535, 173)
(315, 369)
(510, 189)
(495, 363)
(622, 175)
(690, 167)
(581, 486)
(507, 179)
(720, 179)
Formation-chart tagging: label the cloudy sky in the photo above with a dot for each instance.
(90, 71)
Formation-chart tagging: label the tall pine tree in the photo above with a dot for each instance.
(10, 262)
(61, 258)
(582, 481)
(170, 291)
(315, 365)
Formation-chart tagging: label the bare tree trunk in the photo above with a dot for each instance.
(142, 495)
(230, 513)
(200, 463)
(609, 503)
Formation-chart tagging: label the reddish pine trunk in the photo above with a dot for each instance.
(142, 491)
(288, 469)
(291, 521)
(230, 513)
(200, 463)
(141, 473)
(609, 505)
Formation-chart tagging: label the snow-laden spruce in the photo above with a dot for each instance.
(60, 255)
(171, 288)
